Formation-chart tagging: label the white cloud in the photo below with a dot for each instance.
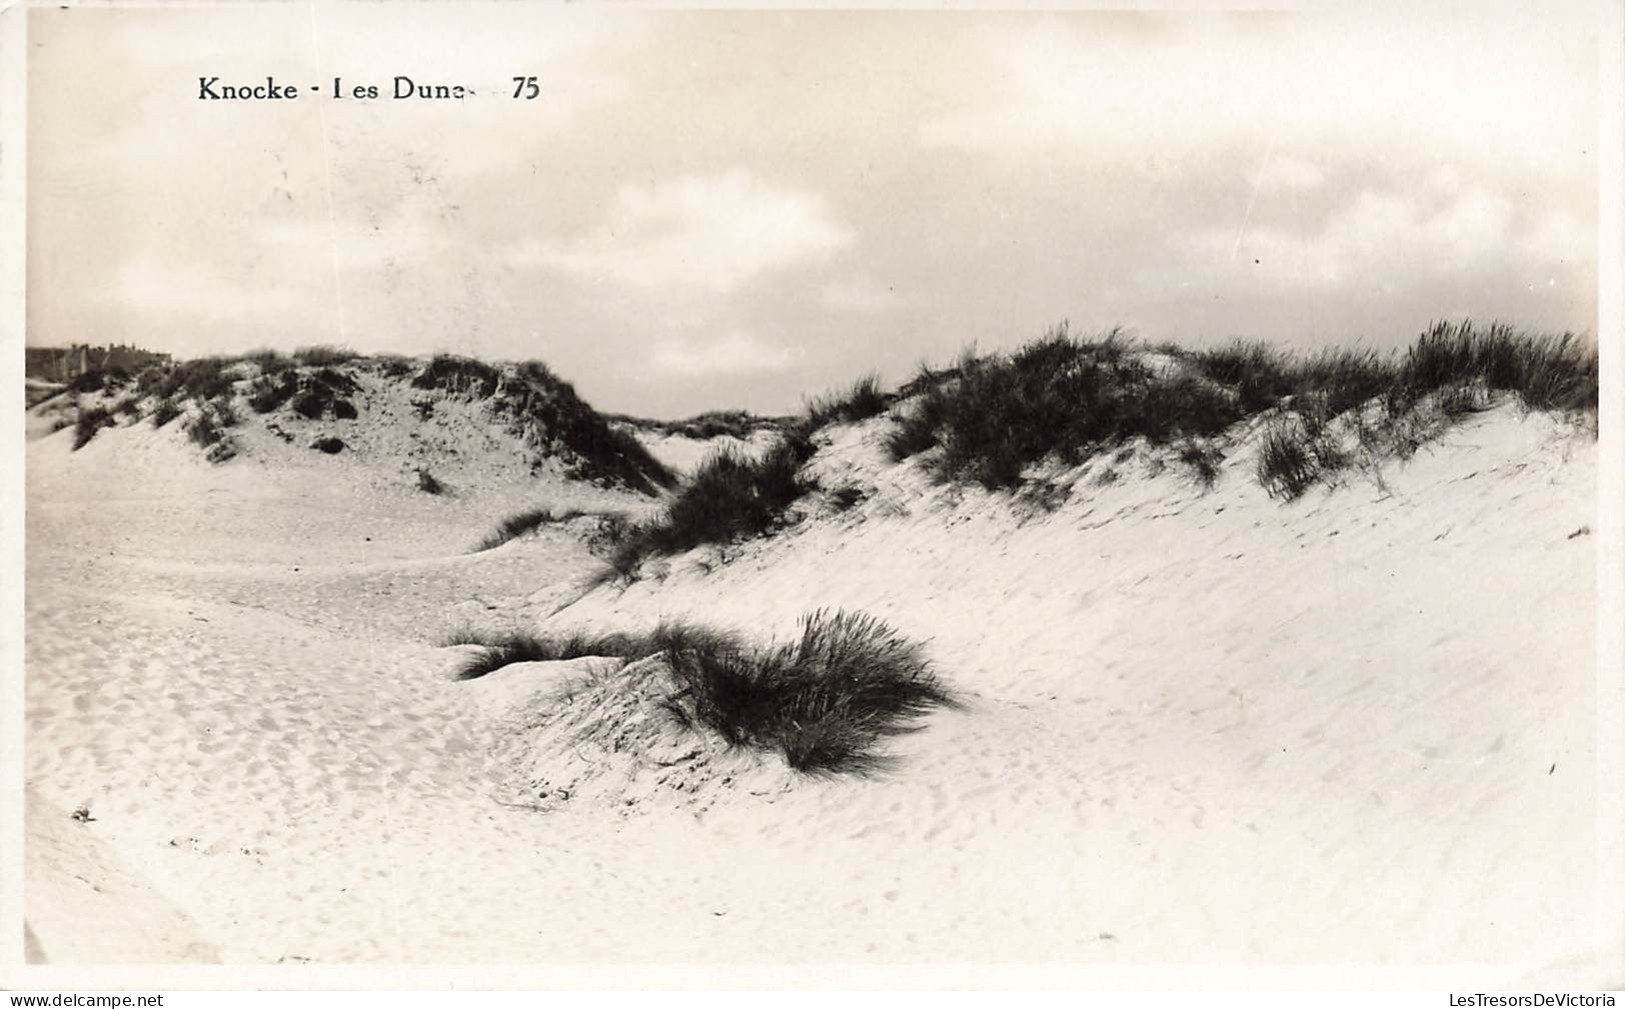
(1327, 82)
(709, 233)
(197, 292)
(1559, 237)
(734, 353)
(1387, 240)
(1290, 173)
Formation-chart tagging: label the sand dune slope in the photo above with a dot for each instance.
(1199, 725)
(1207, 719)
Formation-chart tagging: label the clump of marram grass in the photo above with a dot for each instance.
(847, 497)
(1294, 454)
(200, 379)
(207, 429)
(822, 700)
(730, 497)
(90, 420)
(393, 365)
(322, 394)
(166, 411)
(324, 355)
(203, 430)
(268, 392)
(462, 375)
(269, 362)
(1260, 374)
(1059, 396)
(859, 401)
(1201, 460)
(428, 484)
(1546, 372)
(523, 523)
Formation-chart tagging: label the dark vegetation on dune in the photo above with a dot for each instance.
(202, 379)
(522, 523)
(983, 421)
(735, 496)
(546, 412)
(208, 427)
(859, 401)
(991, 417)
(822, 700)
(731, 496)
(90, 421)
(319, 383)
(739, 424)
(165, 411)
(428, 484)
(323, 356)
(316, 394)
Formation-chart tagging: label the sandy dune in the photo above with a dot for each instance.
(1198, 726)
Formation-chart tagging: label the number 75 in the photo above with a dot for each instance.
(526, 87)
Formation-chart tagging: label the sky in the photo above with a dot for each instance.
(719, 209)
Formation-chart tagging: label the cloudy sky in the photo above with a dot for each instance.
(720, 208)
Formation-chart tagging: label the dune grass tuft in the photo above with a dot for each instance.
(203, 429)
(1546, 372)
(1202, 460)
(202, 378)
(269, 362)
(523, 523)
(1294, 454)
(823, 700)
(89, 421)
(859, 401)
(321, 394)
(166, 411)
(730, 497)
(463, 375)
(268, 392)
(324, 355)
(428, 484)
(1058, 396)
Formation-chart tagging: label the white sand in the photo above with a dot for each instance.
(1358, 728)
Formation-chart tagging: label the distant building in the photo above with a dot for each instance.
(59, 364)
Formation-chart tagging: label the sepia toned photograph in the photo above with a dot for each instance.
(520, 485)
